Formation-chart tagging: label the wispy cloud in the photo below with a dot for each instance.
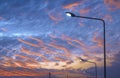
(69, 6)
(28, 43)
(112, 4)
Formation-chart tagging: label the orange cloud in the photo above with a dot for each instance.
(19, 63)
(69, 6)
(81, 45)
(38, 74)
(55, 18)
(85, 49)
(21, 56)
(70, 43)
(108, 17)
(47, 50)
(26, 51)
(22, 72)
(42, 46)
(84, 11)
(28, 43)
(69, 62)
(59, 59)
(7, 58)
(36, 39)
(73, 40)
(60, 48)
(52, 36)
(10, 62)
(24, 57)
(81, 24)
(52, 48)
(98, 39)
(113, 4)
(45, 60)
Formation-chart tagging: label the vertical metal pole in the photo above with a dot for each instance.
(49, 75)
(104, 43)
(67, 75)
(96, 70)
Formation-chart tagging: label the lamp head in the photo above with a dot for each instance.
(82, 59)
(70, 14)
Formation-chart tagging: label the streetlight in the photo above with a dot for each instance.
(104, 34)
(49, 75)
(92, 63)
(67, 75)
(88, 74)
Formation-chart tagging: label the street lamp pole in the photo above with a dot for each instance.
(49, 75)
(92, 63)
(67, 75)
(104, 35)
(95, 67)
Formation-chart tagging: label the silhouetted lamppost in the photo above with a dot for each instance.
(92, 63)
(49, 75)
(67, 75)
(104, 34)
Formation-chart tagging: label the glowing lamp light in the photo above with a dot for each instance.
(70, 14)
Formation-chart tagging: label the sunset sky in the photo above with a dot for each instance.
(36, 37)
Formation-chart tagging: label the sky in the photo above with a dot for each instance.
(36, 37)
